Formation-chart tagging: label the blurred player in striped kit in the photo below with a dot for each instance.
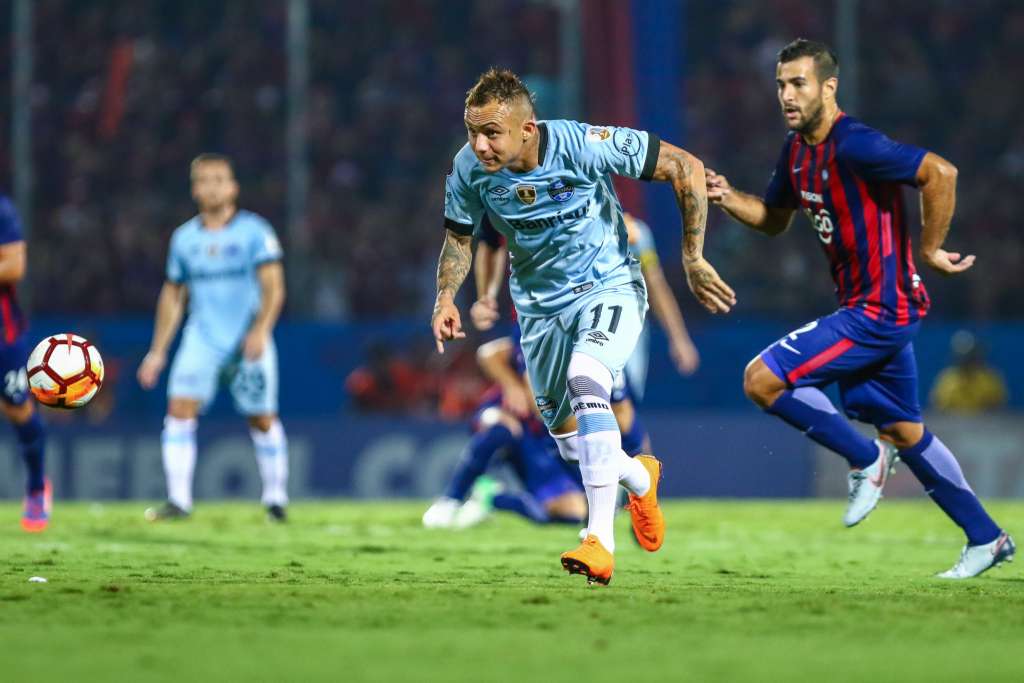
(16, 402)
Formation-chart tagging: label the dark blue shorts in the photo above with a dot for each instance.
(13, 376)
(872, 363)
(541, 469)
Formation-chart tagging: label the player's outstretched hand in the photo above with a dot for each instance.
(718, 186)
(484, 313)
(684, 355)
(254, 344)
(948, 262)
(711, 290)
(446, 323)
(150, 368)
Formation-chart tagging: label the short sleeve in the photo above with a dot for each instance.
(265, 246)
(779, 193)
(10, 223)
(876, 157)
(462, 207)
(176, 271)
(622, 151)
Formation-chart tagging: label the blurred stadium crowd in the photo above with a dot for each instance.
(126, 92)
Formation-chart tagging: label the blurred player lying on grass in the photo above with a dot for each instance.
(508, 424)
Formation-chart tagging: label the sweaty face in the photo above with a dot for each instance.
(213, 185)
(800, 94)
(495, 133)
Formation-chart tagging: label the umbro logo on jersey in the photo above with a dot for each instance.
(597, 336)
(499, 194)
(527, 193)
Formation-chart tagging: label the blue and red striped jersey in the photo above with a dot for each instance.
(849, 185)
(12, 320)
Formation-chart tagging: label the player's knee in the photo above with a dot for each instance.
(262, 423)
(493, 416)
(903, 435)
(18, 414)
(760, 384)
(568, 506)
(183, 408)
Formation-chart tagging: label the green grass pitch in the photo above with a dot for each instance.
(742, 591)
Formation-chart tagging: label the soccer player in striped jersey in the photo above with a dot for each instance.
(16, 403)
(847, 178)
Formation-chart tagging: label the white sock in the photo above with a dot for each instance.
(178, 442)
(272, 459)
(633, 476)
(601, 523)
(568, 446)
(603, 464)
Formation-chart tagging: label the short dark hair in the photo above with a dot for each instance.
(207, 157)
(826, 64)
(500, 85)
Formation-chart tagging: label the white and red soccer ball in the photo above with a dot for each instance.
(65, 371)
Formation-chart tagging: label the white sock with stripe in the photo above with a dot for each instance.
(603, 464)
(272, 458)
(178, 448)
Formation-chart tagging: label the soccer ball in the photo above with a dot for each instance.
(65, 371)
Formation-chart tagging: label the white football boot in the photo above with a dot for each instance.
(976, 559)
(480, 504)
(866, 485)
(441, 515)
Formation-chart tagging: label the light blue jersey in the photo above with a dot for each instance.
(562, 221)
(219, 269)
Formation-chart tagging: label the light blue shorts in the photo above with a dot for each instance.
(604, 324)
(199, 369)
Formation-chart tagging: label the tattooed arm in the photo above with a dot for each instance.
(452, 268)
(686, 174)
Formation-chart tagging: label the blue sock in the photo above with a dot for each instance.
(522, 504)
(32, 442)
(810, 411)
(634, 440)
(936, 468)
(475, 459)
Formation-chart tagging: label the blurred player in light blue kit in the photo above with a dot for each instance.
(581, 300)
(226, 263)
(16, 402)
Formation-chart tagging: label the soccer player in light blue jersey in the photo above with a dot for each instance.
(226, 263)
(581, 301)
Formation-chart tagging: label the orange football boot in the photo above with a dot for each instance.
(648, 522)
(591, 559)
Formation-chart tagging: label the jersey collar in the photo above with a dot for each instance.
(542, 146)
